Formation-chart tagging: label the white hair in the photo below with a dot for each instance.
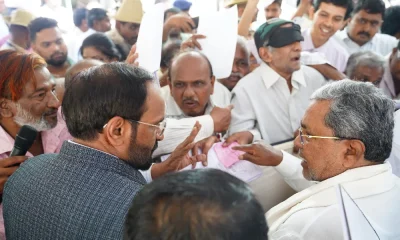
(364, 58)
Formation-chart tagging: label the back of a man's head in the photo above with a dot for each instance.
(347, 4)
(197, 205)
(39, 24)
(98, 94)
(80, 14)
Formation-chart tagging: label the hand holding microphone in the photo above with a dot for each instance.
(23, 141)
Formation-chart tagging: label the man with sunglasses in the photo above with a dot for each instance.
(362, 32)
(345, 138)
(84, 192)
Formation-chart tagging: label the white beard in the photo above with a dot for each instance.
(24, 117)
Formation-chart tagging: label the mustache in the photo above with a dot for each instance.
(57, 53)
(365, 34)
(190, 99)
(50, 112)
(238, 74)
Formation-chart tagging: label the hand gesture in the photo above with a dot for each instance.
(7, 167)
(261, 154)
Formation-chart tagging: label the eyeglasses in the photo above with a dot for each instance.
(159, 128)
(303, 137)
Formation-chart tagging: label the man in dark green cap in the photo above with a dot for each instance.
(270, 101)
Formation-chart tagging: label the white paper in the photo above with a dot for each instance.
(149, 43)
(355, 224)
(244, 170)
(220, 28)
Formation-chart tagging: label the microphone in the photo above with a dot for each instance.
(23, 141)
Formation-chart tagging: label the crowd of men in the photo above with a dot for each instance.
(114, 139)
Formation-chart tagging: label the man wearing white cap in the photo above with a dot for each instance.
(19, 33)
(128, 19)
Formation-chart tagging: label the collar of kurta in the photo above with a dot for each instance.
(359, 183)
(270, 77)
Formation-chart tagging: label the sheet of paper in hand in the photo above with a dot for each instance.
(243, 170)
(227, 155)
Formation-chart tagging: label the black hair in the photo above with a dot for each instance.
(391, 21)
(279, 2)
(80, 14)
(198, 205)
(186, 52)
(370, 6)
(102, 43)
(171, 10)
(39, 24)
(169, 50)
(347, 4)
(95, 14)
(96, 95)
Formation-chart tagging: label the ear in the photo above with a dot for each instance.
(212, 84)
(5, 108)
(117, 131)
(311, 12)
(354, 153)
(265, 55)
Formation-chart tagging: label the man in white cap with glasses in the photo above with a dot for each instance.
(19, 33)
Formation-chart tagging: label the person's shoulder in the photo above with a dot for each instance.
(382, 38)
(311, 74)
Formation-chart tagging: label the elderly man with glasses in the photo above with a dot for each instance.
(345, 138)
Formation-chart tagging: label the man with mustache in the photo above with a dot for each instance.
(240, 66)
(190, 97)
(362, 32)
(345, 138)
(270, 101)
(47, 41)
(84, 192)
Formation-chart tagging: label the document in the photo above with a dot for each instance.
(149, 43)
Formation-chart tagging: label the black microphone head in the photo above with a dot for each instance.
(25, 137)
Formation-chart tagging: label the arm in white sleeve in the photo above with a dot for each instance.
(147, 174)
(292, 172)
(177, 130)
(243, 115)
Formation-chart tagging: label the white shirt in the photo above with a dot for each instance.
(387, 84)
(394, 158)
(179, 125)
(333, 51)
(314, 214)
(382, 44)
(264, 105)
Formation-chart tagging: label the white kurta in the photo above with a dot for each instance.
(382, 44)
(314, 214)
(333, 51)
(264, 105)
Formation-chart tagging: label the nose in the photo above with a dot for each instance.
(297, 46)
(189, 92)
(160, 138)
(235, 69)
(329, 23)
(297, 142)
(53, 101)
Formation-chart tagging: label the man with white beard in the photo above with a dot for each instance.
(27, 97)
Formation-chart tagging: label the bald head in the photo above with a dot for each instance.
(80, 66)
(191, 82)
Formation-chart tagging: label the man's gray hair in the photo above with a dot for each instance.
(242, 42)
(364, 58)
(360, 111)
